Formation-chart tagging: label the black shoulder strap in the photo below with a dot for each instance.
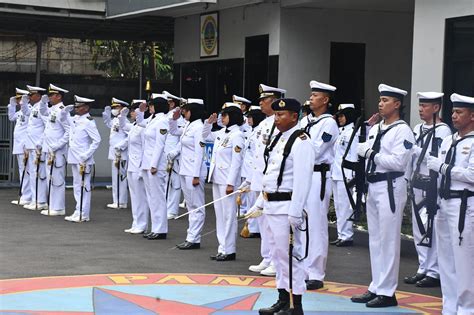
(287, 150)
(311, 124)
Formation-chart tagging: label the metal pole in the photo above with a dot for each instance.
(140, 79)
(39, 45)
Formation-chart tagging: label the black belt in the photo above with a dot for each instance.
(323, 168)
(389, 177)
(276, 196)
(463, 195)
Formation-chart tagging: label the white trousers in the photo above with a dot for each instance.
(155, 195)
(57, 193)
(343, 209)
(317, 210)
(384, 234)
(194, 197)
(278, 229)
(174, 192)
(123, 182)
(86, 191)
(456, 261)
(26, 194)
(427, 257)
(266, 241)
(250, 198)
(140, 210)
(42, 182)
(226, 220)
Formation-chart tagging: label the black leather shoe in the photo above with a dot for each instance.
(345, 243)
(157, 236)
(214, 257)
(428, 282)
(363, 298)
(189, 245)
(314, 284)
(226, 257)
(145, 235)
(382, 301)
(335, 241)
(283, 302)
(297, 307)
(253, 235)
(414, 279)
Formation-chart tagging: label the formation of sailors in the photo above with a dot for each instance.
(277, 164)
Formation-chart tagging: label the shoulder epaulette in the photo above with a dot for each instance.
(61, 106)
(90, 117)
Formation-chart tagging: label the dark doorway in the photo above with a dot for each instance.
(458, 61)
(347, 72)
(256, 64)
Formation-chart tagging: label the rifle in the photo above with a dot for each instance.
(359, 180)
(431, 193)
(25, 164)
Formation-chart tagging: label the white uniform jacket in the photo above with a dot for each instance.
(155, 137)
(323, 134)
(36, 124)
(249, 152)
(56, 132)
(262, 137)
(227, 154)
(297, 176)
(20, 118)
(134, 144)
(340, 148)
(190, 148)
(117, 134)
(395, 149)
(84, 139)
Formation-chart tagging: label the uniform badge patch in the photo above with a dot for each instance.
(163, 131)
(90, 117)
(408, 145)
(237, 149)
(326, 137)
(371, 137)
(303, 136)
(202, 144)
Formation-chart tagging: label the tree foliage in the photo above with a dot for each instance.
(121, 59)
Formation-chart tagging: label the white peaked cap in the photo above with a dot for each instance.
(254, 107)
(266, 90)
(138, 101)
(116, 101)
(79, 99)
(343, 106)
(387, 90)
(229, 104)
(321, 87)
(462, 101)
(171, 96)
(56, 89)
(236, 98)
(195, 101)
(430, 97)
(158, 95)
(20, 92)
(34, 89)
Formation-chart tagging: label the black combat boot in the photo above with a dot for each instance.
(282, 303)
(297, 307)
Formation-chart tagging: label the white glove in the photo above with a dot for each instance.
(82, 157)
(117, 149)
(363, 150)
(69, 108)
(53, 148)
(124, 112)
(13, 101)
(39, 147)
(45, 99)
(107, 110)
(417, 151)
(25, 99)
(435, 164)
(254, 212)
(245, 186)
(172, 155)
(295, 222)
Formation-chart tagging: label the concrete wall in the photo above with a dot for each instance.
(428, 44)
(306, 35)
(234, 25)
